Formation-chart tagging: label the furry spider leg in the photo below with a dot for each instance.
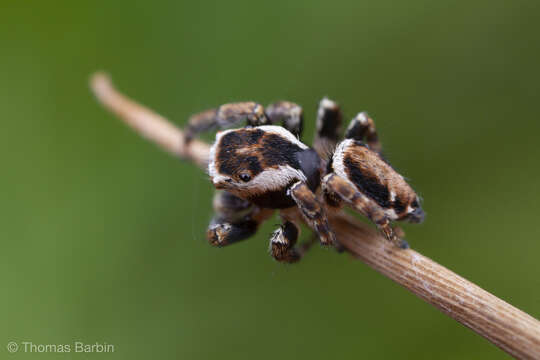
(225, 116)
(363, 126)
(338, 190)
(283, 241)
(328, 127)
(289, 114)
(235, 219)
(313, 212)
(229, 115)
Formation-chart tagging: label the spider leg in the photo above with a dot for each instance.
(229, 206)
(313, 212)
(222, 233)
(362, 126)
(328, 127)
(338, 189)
(289, 114)
(283, 241)
(199, 123)
(235, 220)
(225, 116)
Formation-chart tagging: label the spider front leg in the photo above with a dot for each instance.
(338, 189)
(313, 212)
(289, 114)
(225, 116)
(283, 241)
(235, 220)
(222, 233)
(362, 126)
(328, 127)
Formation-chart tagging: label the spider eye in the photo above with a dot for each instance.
(245, 177)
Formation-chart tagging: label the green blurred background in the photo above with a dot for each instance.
(102, 234)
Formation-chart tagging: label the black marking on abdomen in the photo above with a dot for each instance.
(369, 186)
(399, 205)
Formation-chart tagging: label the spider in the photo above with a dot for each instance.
(264, 167)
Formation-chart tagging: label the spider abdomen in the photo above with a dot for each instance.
(374, 178)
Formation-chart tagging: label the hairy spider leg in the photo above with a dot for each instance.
(339, 189)
(235, 220)
(363, 127)
(313, 212)
(226, 116)
(283, 241)
(328, 127)
(289, 114)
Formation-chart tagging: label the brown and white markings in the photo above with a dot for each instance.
(263, 167)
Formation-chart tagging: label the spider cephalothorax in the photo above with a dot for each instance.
(261, 163)
(263, 167)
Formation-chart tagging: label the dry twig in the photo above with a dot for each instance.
(509, 328)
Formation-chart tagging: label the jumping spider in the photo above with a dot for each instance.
(263, 167)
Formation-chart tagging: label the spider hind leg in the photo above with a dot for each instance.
(225, 116)
(328, 126)
(363, 127)
(289, 114)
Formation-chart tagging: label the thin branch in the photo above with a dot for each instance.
(147, 123)
(509, 328)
